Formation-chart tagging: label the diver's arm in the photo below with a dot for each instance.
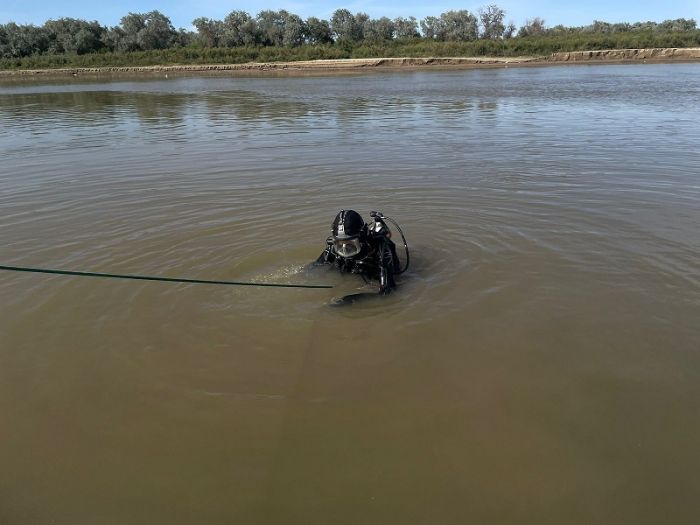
(327, 257)
(386, 268)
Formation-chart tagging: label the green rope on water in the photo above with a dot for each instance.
(151, 278)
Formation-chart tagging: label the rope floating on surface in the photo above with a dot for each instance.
(153, 278)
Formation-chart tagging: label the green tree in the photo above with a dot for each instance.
(70, 35)
(184, 38)
(599, 26)
(112, 38)
(144, 31)
(294, 31)
(240, 29)
(127, 39)
(22, 40)
(433, 28)
(378, 30)
(158, 32)
(491, 18)
(318, 31)
(460, 26)
(209, 31)
(406, 28)
(4, 41)
(621, 28)
(644, 26)
(271, 26)
(679, 24)
(509, 31)
(347, 27)
(359, 28)
(534, 27)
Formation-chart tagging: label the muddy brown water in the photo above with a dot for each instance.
(539, 362)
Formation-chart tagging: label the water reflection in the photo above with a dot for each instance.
(31, 109)
(155, 109)
(68, 108)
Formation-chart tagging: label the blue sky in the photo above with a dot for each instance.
(182, 12)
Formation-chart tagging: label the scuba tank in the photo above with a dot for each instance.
(379, 228)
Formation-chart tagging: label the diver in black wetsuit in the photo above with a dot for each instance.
(364, 249)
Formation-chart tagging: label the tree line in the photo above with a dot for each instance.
(345, 30)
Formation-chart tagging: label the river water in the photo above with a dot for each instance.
(539, 362)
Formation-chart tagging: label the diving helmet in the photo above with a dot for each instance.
(348, 230)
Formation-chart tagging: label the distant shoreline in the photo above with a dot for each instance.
(657, 55)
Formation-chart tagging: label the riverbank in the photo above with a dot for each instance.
(659, 54)
(611, 55)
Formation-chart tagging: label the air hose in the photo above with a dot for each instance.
(152, 278)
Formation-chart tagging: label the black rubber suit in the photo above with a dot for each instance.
(364, 249)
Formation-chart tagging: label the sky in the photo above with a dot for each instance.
(182, 12)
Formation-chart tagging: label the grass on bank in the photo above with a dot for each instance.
(523, 46)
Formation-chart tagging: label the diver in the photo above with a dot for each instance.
(365, 249)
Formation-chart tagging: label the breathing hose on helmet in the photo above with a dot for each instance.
(380, 215)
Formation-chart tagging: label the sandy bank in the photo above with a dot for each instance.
(661, 54)
(302, 65)
(611, 55)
